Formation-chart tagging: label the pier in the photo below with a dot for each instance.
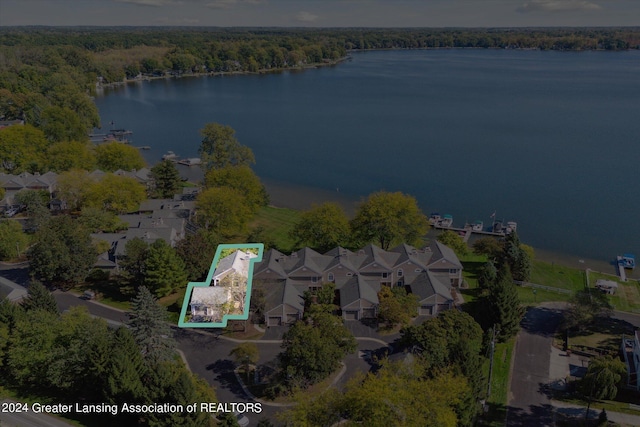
(468, 231)
(621, 273)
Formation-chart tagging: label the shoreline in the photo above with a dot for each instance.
(298, 197)
(126, 81)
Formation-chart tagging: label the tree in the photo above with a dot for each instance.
(313, 348)
(396, 306)
(585, 308)
(197, 252)
(487, 275)
(39, 298)
(603, 377)
(67, 155)
(517, 258)
(13, 242)
(488, 246)
(242, 179)
(166, 178)
(400, 394)
(220, 148)
(322, 227)
(454, 241)
(389, 218)
(96, 220)
(133, 264)
(22, 148)
(115, 193)
(73, 187)
(504, 305)
(164, 271)
(62, 252)
(148, 323)
(62, 124)
(245, 355)
(112, 156)
(36, 202)
(223, 210)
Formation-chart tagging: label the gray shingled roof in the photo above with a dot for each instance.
(377, 255)
(441, 251)
(270, 261)
(284, 292)
(306, 258)
(427, 285)
(357, 288)
(11, 290)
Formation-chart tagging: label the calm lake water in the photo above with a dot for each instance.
(548, 139)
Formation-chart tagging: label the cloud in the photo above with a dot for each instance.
(227, 4)
(303, 16)
(154, 3)
(558, 6)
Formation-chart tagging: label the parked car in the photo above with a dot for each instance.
(242, 419)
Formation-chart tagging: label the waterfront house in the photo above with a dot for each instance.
(430, 273)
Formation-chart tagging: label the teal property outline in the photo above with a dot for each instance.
(212, 269)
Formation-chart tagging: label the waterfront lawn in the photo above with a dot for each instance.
(557, 276)
(276, 224)
(528, 298)
(626, 298)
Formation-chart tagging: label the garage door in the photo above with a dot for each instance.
(351, 315)
(369, 313)
(426, 310)
(274, 321)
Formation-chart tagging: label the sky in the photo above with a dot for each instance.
(322, 13)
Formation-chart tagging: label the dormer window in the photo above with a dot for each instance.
(400, 272)
(330, 277)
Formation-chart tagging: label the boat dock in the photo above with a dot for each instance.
(468, 231)
(621, 273)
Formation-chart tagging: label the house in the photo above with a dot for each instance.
(208, 303)
(12, 184)
(631, 352)
(235, 263)
(11, 290)
(430, 273)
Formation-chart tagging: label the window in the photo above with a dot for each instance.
(400, 272)
(314, 279)
(417, 270)
(330, 277)
(385, 275)
(453, 271)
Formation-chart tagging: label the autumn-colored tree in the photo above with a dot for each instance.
(112, 156)
(322, 227)
(389, 219)
(115, 193)
(223, 210)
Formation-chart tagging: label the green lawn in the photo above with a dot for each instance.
(557, 276)
(626, 298)
(276, 224)
(497, 402)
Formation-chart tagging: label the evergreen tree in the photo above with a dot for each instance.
(166, 178)
(504, 305)
(487, 275)
(517, 258)
(197, 252)
(148, 323)
(164, 269)
(125, 370)
(39, 298)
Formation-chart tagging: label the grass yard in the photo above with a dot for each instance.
(497, 402)
(557, 276)
(626, 298)
(276, 224)
(529, 298)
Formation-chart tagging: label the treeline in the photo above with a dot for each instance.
(48, 74)
(73, 358)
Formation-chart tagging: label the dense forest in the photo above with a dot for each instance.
(48, 74)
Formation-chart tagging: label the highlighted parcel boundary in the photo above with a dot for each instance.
(212, 283)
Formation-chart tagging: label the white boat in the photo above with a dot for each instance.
(447, 220)
(477, 225)
(511, 227)
(170, 156)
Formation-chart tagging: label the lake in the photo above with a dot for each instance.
(547, 139)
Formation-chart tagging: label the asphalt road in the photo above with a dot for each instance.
(29, 419)
(528, 405)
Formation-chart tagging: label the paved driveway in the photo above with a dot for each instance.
(528, 405)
